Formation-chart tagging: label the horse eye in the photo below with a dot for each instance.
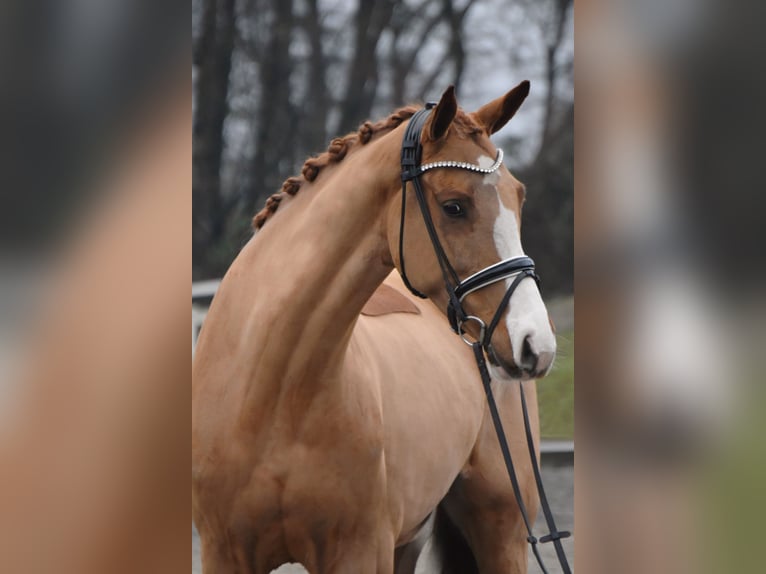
(453, 209)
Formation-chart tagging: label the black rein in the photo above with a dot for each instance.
(521, 267)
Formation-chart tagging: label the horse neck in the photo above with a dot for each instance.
(315, 265)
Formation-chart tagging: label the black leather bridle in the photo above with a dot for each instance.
(457, 290)
(518, 267)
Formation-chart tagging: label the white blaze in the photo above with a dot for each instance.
(527, 315)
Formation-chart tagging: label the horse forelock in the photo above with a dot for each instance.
(339, 147)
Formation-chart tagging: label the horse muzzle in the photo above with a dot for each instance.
(532, 365)
(526, 362)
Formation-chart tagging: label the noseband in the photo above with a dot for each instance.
(520, 268)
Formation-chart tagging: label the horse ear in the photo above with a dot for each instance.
(496, 113)
(443, 114)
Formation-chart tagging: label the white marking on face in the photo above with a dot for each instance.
(485, 163)
(527, 316)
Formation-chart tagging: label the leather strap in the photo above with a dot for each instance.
(554, 534)
(410, 160)
(410, 163)
(505, 301)
(494, 273)
(486, 382)
(522, 267)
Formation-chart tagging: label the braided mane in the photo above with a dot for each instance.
(338, 149)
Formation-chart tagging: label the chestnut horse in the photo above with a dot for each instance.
(327, 436)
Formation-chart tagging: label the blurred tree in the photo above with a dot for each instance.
(277, 117)
(318, 104)
(549, 211)
(212, 51)
(553, 34)
(548, 221)
(276, 79)
(371, 20)
(401, 57)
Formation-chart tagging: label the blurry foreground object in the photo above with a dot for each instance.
(94, 444)
(77, 75)
(662, 353)
(95, 172)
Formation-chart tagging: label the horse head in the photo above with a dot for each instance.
(474, 206)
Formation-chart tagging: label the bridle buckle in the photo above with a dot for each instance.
(466, 336)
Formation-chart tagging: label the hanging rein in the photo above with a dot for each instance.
(518, 267)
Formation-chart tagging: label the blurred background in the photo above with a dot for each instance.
(276, 80)
(95, 262)
(669, 272)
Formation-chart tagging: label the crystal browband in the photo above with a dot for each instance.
(465, 165)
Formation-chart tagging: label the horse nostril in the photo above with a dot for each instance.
(528, 356)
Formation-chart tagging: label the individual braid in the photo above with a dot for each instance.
(336, 151)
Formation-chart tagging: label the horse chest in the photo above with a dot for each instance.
(306, 493)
